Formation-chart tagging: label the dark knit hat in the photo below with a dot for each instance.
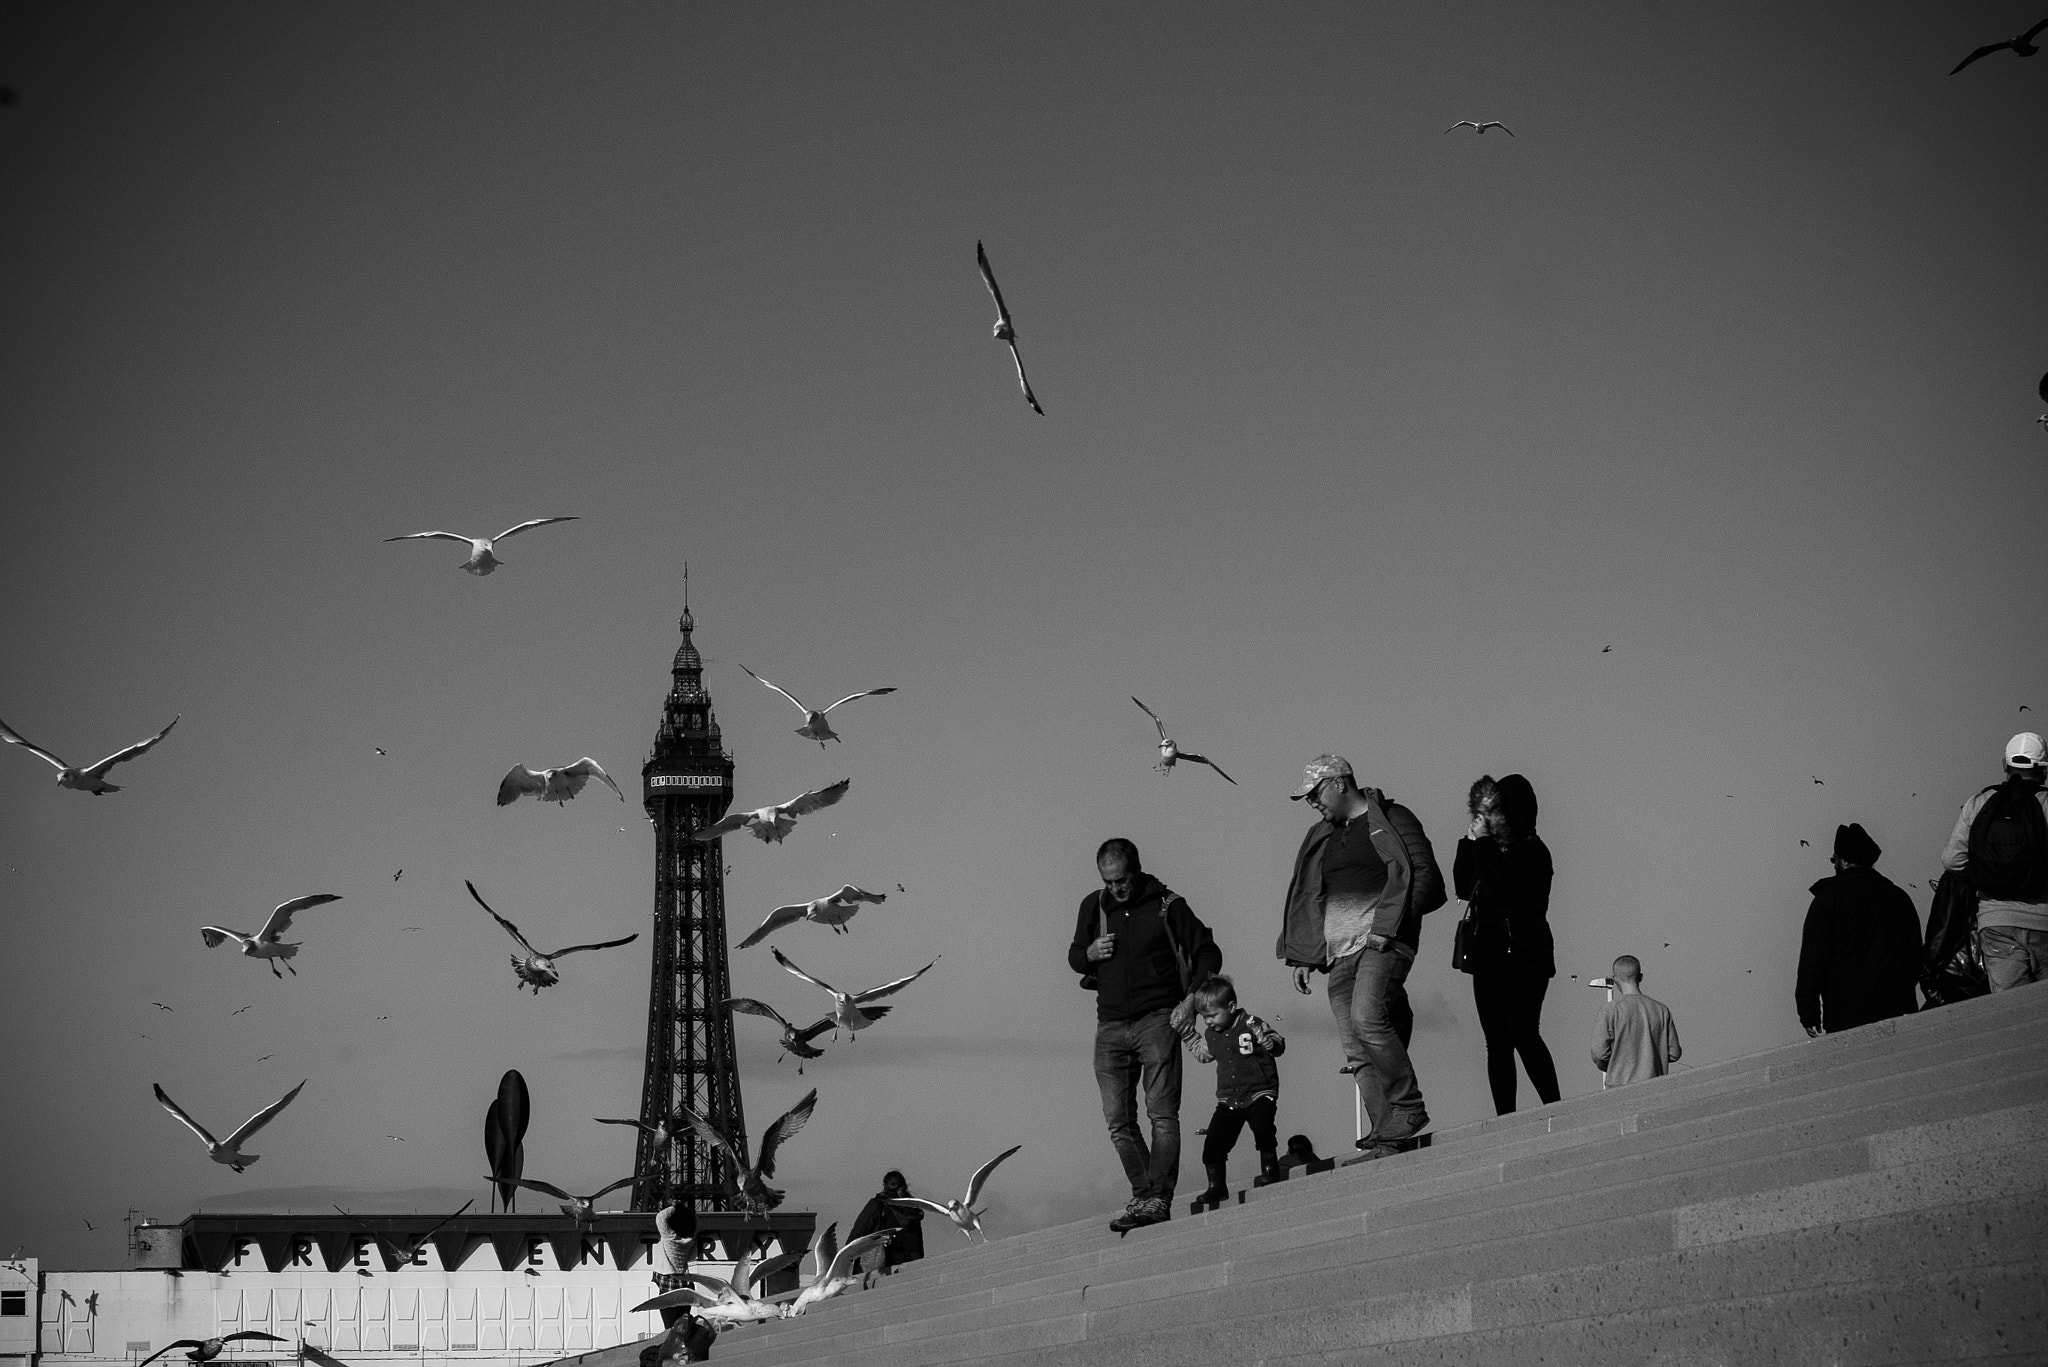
(1853, 845)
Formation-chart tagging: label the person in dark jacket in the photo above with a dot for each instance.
(907, 1221)
(1503, 870)
(1860, 954)
(1142, 950)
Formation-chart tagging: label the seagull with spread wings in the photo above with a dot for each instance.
(961, 1212)
(1479, 127)
(537, 970)
(1006, 331)
(815, 726)
(2022, 46)
(795, 1041)
(847, 1014)
(772, 823)
(727, 1302)
(398, 1254)
(482, 557)
(227, 1151)
(206, 1350)
(837, 1268)
(553, 785)
(581, 1209)
(264, 944)
(834, 909)
(93, 777)
(1171, 754)
(754, 1192)
(663, 1130)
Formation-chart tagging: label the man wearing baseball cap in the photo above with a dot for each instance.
(1363, 878)
(2001, 839)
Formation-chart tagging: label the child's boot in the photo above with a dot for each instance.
(1219, 1186)
(1270, 1170)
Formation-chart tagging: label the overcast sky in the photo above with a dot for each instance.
(1359, 437)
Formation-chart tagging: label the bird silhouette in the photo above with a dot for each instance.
(92, 778)
(962, 1213)
(1171, 754)
(663, 1130)
(834, 909)
(846, 1006)
(482, 558)
(1480, 128)
(228, 1152)
(265, 944)
(773, 823)
(752, 1179)
(399, 1253)
(2022, 46)
(160, 1006)
(581, 1209)
(537, 969)
(206, 1350)
(794, 1041)
(1006, 331)
(815, 726)
(553, 785)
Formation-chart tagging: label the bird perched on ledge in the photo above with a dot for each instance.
(537, 970)
(92, 778)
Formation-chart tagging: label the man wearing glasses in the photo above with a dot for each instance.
(1362, 881)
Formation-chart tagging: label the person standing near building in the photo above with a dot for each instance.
(1859, 955)
(1637, 1038)
(1503, 869)
(878, 1214)
(2001, 839)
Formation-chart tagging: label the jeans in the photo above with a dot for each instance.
(1369, 998)
(1229, 1122)
(1510, 1004)
(2013, 957)
(1127, 1052)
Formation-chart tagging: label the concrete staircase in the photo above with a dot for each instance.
(1877, 1196)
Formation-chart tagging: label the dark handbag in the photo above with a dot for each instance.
(1951, 961)
(1463, 942)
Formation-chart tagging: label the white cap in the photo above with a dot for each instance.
(2025, 751)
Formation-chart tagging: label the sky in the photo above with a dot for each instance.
(1676, 451)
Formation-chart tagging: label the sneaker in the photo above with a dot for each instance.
(1130, 1218)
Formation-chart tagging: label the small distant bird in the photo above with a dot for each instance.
(2025, 708)
(553, 785)
(815, 726)
(1006, 331)
(399, 1137)
(962, 1213)
(2022, 46)
(404, 928)
(91, 779)
(537, 970)
(1171, 754)
(1816, 779)
(846, 1006)
(773, 823)
(88, 1223)
(266, 1058)
(1480, 128)
(396, 876)
(837, 1268)
(581, 1209)
(754, 1192)
(834, 909)
(1606, 650)
(899, 887)
(160, 1006)
(206, 1350)
(1803, 842)
(481, 559)
(794, 1041)
(264, 944)
(379, 749)
(228, 1151)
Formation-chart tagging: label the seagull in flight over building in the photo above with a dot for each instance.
(264, 944)
(581, 1209)
(837, 1268)
(729, 1301)
(815, 726)
(537, 970)
(228, 1151)
(795, 1041)
(772, 823)
(662, 1130)
(91, 779)
(553, 785)
(754, 1192)
(206, 1350)
(2022, 46)
(482, 559)
(961, 1212)
(1480, 128)
(846, 1006)
(834, 909)
(1006, 331)
(1171, 754)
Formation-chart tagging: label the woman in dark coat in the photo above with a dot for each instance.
(1503, 869)
(907, 1221)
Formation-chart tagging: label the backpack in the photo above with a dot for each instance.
(2009, 843)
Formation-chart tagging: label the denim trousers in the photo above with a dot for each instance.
(1127, 1054)
(1369, 998)
(2013, 957)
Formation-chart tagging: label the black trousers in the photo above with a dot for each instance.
(1510, 1002)
(1229, 1122)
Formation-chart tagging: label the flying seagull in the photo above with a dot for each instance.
(2022, 46)
(227, 1151)
(795, 1041)
(662, 1130)
(815, 726)
(846, 1006)
(91, 779)
(537, 970)
(1171, 754)
(1006, 331)
(834, 909)
(772, 823)
(837, 1267)
(729, 1301)
(401, 1253)
(160, 1006)
(755, 1193)
(553, 785)
(581, 1209)
(481, 559)
(206, 1350)
(264, 944)
(961, 1212)
(1480, 128)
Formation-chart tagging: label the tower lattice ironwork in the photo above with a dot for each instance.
(686, 785)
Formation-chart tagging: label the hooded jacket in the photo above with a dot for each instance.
(1859, 955)
(1142, 976)
(1399, 840)
(1509, 888)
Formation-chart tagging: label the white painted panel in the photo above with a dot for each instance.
(462, 1319)
(314, 1322)
(548, 1319)
(579, 1326)
(490, 1319)
(405, 1319)
(519, 1318)
(607, 1315)
(227, 1312)
(376, 1319)
(348, 1319)
(434, 1318)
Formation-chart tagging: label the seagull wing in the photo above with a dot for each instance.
(725, 825)
(870, 693)
(757, 1008)
(588, 768)
(777, 919)
(844, 1261)
(264, 1116)
(716, 1137)
(686, 1295)
(816, 798)
(783, 959)
(281, 916)
(546, 1187)
(603, 944)
(871, 1014)
(510, 929)
(1496, 123)
(622, 1182)
(437, 1228)
(537, 522)
(2034, 32)
(1155, 718)
(874, 993)
(14, 737)
(636, 1124)
(1461, 123)
(827, 1248)
(140, 747)
(919, 1203)
(170, 1348)
(849, 893)
(761, 1272)
(251, 1334)
(981, 1173)
(1204, 759)
(784, 1128)
(824, 1023)
(783, 691)
(518, 783)
(1984, 51)
(163, 1099)
(438, 536)
(1023, 383)
(988, 277)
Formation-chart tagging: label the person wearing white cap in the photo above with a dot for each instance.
(2001, 840)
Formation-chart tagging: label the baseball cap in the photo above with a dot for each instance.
(2025, 751)
(1336, 766)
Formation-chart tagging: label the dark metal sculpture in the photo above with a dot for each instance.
(505, 1135)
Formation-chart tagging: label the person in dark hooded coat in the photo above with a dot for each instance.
(1859, 955)
(1503, 869)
